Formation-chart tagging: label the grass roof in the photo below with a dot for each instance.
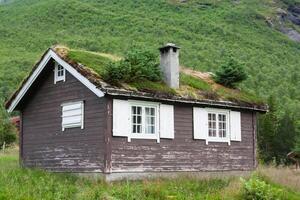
(193, 84)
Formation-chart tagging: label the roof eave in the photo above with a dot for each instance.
(206, 102)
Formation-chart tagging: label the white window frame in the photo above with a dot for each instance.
(58, 78)
(144, 135)
(217, 138)
(79, 125)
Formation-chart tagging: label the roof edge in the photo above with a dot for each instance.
(210, 103)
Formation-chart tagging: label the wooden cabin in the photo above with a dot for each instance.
(73, 121)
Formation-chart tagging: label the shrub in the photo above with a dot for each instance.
(7, 130)
(256, 189)
(138, 65)
(231, 73)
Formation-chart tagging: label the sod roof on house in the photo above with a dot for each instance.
(195, 86)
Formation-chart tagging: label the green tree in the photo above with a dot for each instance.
(284, 140)
(267, 129)
(138, 65)
(230, 73)
(297, 142)
(277, 134)
(7, 130)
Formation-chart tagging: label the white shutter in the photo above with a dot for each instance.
(72, 115)
(235, 126)
(166, 121)
(55, 73)
(121, 118)
(72, 106)
(200, 118)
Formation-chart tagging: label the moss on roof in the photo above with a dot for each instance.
(95, 61)
(193, 84)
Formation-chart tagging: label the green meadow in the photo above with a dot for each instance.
(33, 184)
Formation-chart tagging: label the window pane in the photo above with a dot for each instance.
(139, 110)
(212, 125)
(139, 119)
(139, 129)
(222, 125)
(214, 117)
(152, 129)
(150, 120)
(133, 110)
(136, 113)
(152, 111)
(134, 119)
(210, 133)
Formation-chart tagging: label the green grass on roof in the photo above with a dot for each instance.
(238, 96)
(149, 86)
(218, 92)
(95, 61)
(190, 86)
(194, 82)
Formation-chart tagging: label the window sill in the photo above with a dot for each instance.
(59, 80)
(143, 136)
(71, 127)
(225, 140)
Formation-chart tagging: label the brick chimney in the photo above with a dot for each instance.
(169, 64)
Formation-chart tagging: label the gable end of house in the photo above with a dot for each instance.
(14, 100)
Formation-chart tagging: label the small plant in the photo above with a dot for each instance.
(138, 65)
(256, 189)
(231, 73)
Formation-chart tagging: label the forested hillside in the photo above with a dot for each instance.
(253, 31)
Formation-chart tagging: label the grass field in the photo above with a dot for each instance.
(207, 31)
(33, 184)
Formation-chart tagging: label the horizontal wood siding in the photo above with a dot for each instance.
(44, 144)
(184, 153)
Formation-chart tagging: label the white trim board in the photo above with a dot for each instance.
(51, 54)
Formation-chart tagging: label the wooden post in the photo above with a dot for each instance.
(21, 140)
(107, 136)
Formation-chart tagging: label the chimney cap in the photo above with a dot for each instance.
(169, 45)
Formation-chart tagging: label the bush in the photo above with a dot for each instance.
(7, 129)
(231, 73)
(256, 189)
(138, 65)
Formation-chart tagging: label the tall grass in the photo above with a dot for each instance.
(33, 184)
(282, 175)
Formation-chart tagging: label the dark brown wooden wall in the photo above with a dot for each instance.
(45, 145)
(184, 153)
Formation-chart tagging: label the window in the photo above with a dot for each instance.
(143, 121)
(72, 115)
(59, 73)
(217, 126)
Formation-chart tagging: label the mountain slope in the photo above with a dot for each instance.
(206, 30)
